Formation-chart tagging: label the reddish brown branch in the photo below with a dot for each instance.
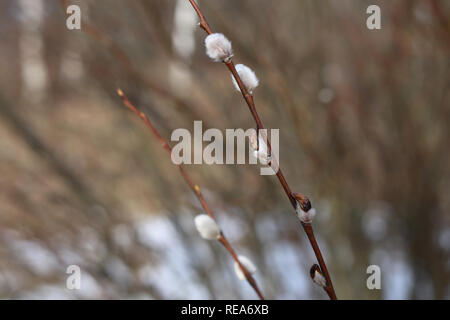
(195, 188)
(203, 23)
(323, 267)
(251, 105)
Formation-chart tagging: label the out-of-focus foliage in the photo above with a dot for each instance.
(363, 117)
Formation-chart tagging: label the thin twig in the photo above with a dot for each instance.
(195, 188)
(251, 105)
(120, 55)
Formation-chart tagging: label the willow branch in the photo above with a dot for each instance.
(252, 108)
(195, 188)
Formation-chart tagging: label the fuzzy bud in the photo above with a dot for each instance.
(248, 78)
(247, 263)
(303, 200)
(254, 140)
(207, 227)
(260, 149)
(318, 279)
(263, 157)
(218, 47)
(305, 216)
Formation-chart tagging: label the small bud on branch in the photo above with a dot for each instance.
(305, 216)
(207, 227)
(247, 264)
(260, 150)
(303, 200)
(317, 277)
(254, 140)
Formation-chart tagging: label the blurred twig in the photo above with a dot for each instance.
(195, 188)
(122, 58)
(41, 149)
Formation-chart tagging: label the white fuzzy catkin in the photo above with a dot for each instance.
(247, 263)
(207, 227)
(248, 78)
(260, 150)
(319, 279)
(254, 140)
(218, 47)
(305, 216)
(263, 157)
